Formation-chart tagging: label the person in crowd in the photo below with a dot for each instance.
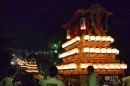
(39, 77)
(46, 76)
(28, 80)
(126, 79)
(17, 79)
(93, 77)
(53, 81)
(5, 54)
(8, 79)
(42, 82)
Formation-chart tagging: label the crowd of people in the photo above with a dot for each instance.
(12, 77)
(15, 78)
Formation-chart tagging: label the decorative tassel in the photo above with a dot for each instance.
(68, 34)
(82, 24)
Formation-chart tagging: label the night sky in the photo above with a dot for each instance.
(29, 24)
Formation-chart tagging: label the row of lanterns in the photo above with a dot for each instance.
(22, 62)
(90, 50)
(67, 66)
(101, 50)
(105, 66)
(30, 66)
(32, 71)
(90, 38)
(95, 65)
(76, 39)
(99, 38)
(71, 52)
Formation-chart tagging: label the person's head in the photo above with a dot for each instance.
(53, 71)
(90, 69)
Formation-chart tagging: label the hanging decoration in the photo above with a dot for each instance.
(68, 34)
(82, 24)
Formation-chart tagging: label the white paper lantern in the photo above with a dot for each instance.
(117, 65)
(86, 49)
(92, 38)
(108, 50)
(100, 66)
(114, 50)
(95, 66)
(106, 66)
(97, 50)
(123, 65)
(103, 50)
(83, 65)
(104, 38)
(108, 38)
(112, 65)
(112, 40)
(98, 38)
(92, 50)
(86, 37)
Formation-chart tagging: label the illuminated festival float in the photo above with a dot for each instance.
(88, 44)
(29, 66)
(32, 66)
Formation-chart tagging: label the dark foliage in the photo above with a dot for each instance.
(5, 54)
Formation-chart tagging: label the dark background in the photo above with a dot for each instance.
(29, 24)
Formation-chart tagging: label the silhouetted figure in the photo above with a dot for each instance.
(28, 80)
(53, 81)
(126, 79)
(5, 54)
(8, 79)
(93, 77)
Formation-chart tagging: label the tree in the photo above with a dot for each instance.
(5, 53)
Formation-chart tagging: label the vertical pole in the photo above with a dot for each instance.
(40, 67)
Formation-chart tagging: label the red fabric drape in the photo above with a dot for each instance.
(75, 30)
(98, 29)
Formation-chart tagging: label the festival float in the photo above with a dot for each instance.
(29, 66)
(88, 44)
(32, 66)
